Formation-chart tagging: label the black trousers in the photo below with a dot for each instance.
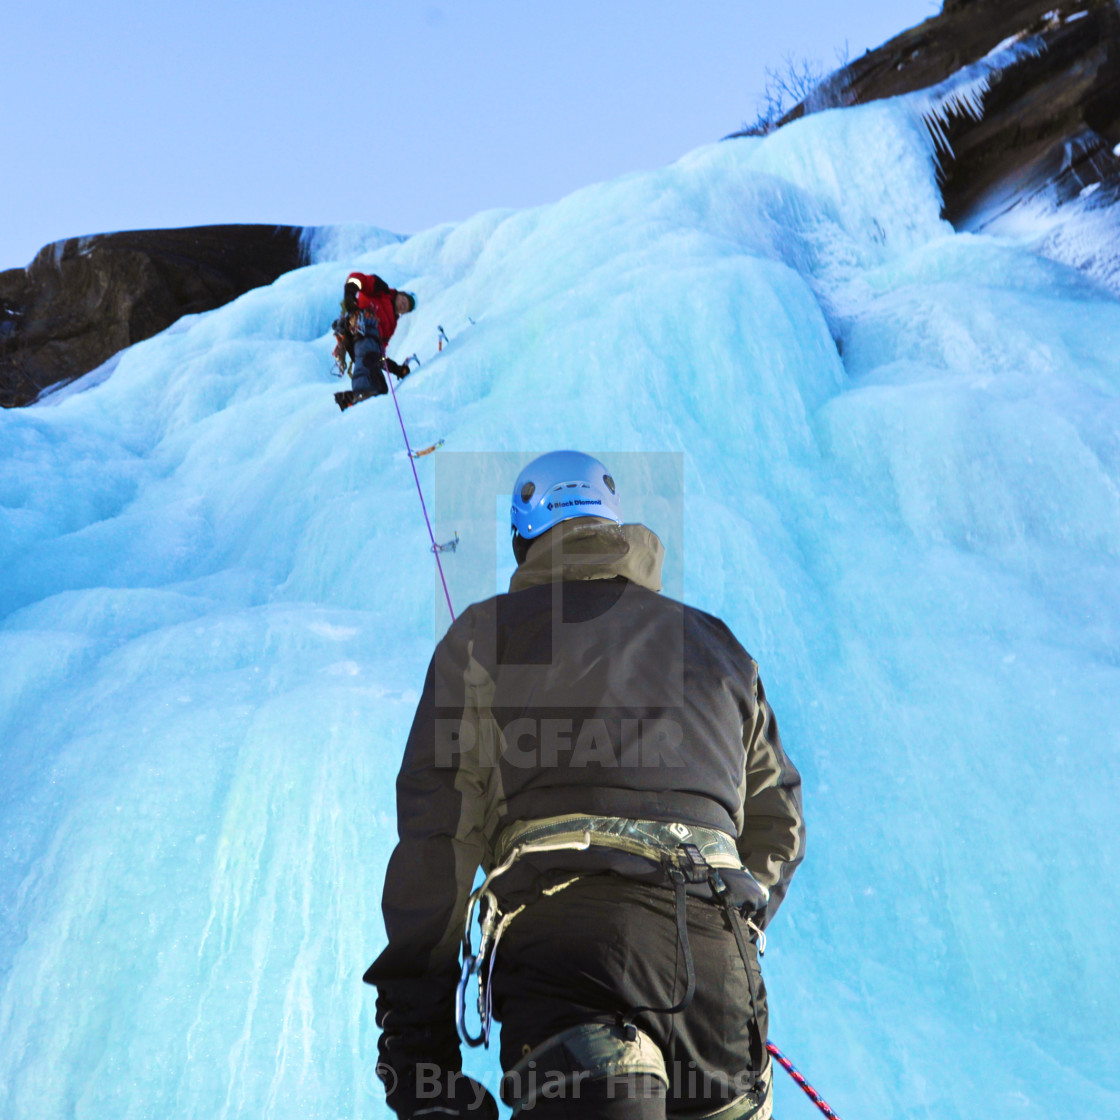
(596, 950)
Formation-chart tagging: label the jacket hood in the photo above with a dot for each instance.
(590, 548)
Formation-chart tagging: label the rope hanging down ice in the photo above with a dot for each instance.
(427, 521)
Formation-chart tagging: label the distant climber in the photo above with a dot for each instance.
(370, 311)
(609, 758)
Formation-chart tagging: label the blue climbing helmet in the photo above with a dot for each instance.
(557, 487)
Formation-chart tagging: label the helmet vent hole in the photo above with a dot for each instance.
(527, 491)
(609, 481)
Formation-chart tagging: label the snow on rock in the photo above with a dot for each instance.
(963, 93)
(1024, 102)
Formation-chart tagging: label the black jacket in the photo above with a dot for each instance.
(582, 690)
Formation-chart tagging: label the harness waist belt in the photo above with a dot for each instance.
(652, 840)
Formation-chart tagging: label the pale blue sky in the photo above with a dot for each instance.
(124, 115)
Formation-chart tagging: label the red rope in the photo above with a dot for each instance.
(427, 521)
(808, 1089)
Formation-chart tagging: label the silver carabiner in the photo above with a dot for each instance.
(490, 918)
(470, 968)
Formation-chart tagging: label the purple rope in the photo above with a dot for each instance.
(427, 521)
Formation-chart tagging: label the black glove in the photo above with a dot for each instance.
(398, 371)
(426, 1090)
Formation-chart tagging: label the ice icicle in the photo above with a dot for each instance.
(963, 93)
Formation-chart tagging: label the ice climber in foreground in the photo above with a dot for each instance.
(608, 756)
(370, 311)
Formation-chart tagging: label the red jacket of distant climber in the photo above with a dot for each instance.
(377, 296)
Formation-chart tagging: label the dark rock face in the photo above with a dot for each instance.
(1051, 119)
(82, 300)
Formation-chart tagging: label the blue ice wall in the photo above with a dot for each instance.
(899, 449)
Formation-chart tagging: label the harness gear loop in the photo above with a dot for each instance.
(492, 924)
(342, 353)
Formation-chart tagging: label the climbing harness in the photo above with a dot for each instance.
(697, 859)
(427, 521)
(686, 853)
(808, 1089)
(492, 924)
